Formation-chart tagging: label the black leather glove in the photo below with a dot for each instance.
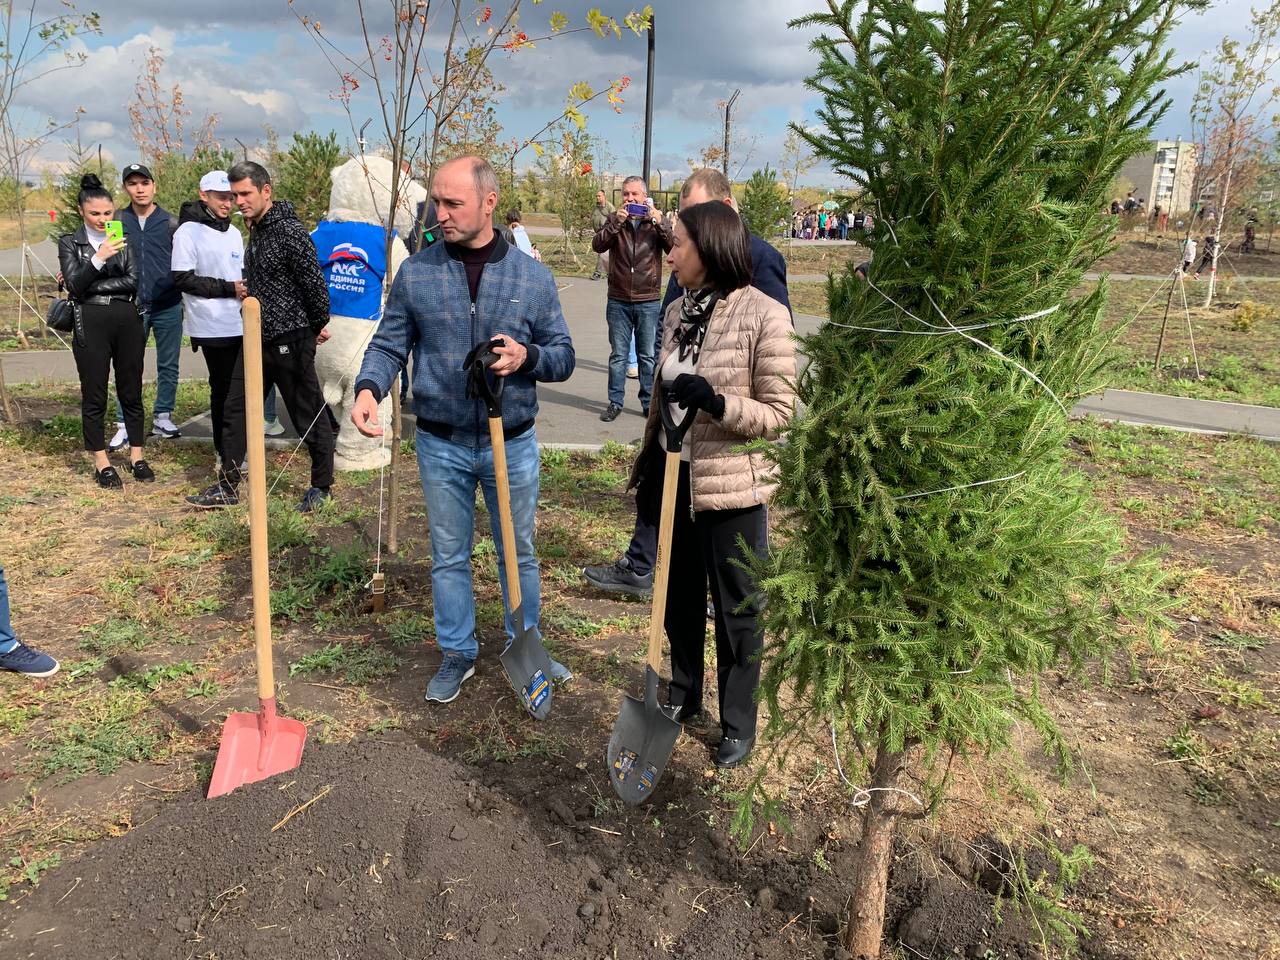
(691, 390)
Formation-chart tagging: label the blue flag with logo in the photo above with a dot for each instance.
(353, 257)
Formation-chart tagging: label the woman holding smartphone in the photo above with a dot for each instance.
(101, 272)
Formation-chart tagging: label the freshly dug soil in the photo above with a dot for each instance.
(403, 857)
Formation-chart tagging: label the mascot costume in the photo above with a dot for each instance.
(352, 246)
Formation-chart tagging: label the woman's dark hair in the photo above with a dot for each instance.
(513, 216)
(723, 243)
(91, 188)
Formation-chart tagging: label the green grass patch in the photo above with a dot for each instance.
(410, 629)
(105, 732)
(116, 634)
(356, 664)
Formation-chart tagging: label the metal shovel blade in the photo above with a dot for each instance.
(643, 737)
(528, 668)
(256, 746)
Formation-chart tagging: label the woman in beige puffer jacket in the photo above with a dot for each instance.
(728, 351)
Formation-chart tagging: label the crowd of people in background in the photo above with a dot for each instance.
(823, 224)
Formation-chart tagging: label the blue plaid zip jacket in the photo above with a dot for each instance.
(429, 314)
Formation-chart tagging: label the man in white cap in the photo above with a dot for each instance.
(208, 262)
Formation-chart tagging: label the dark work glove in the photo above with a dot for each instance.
(691, 390)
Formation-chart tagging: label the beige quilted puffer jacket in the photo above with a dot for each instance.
(749, 357)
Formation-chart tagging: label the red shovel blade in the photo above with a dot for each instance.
(256, 746)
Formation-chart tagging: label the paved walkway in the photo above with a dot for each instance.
(570, 411)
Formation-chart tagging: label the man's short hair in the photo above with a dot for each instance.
(634, 179)
(513, 216)
(723, 243)
(486, 180)
(712, 181)
(248, 170)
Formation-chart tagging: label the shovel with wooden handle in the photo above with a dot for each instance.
(257, 745)
(525, 661)
(644, 734)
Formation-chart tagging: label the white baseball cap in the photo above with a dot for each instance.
(215, 180)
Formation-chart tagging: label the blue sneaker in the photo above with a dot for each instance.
(444, 686)
(312, 499)
(22, 659)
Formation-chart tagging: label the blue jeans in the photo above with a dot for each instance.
(632, 359)
(627, 322)
(166, 325)
(450, 473)
(7, 639)
(269, 406)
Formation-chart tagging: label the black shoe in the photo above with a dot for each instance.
(107, 477)
(619, 578)
(221, 494)
(142, 471)
(611, 413)
(312, 499)
(733, 752)
(681, 713)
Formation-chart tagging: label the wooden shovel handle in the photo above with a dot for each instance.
(256, 450)
(510, 561)
(661, 572)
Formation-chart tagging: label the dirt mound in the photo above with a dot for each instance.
(403, 856)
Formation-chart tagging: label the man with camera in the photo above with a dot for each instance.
(636, 239)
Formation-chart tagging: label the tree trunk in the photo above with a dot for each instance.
(865, 930)
(4, 398)
(1222, 215)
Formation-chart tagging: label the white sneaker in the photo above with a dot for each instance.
(633, 373)
(273, 428)
(164, 427)
(120, 440)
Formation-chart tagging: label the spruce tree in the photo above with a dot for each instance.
(764, 205)
(950, 554)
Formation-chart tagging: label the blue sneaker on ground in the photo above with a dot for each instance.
(444, 686)
(312, 499)
(33, 663)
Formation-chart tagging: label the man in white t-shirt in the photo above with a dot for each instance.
(208, 260)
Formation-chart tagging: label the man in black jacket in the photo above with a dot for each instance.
(150, 228)
(282, 270)
(633, 573)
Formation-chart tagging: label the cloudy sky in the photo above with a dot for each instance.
(251, 63)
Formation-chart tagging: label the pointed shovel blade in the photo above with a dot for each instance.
(644, 736)
(528, 668)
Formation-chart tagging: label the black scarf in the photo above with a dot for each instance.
(695, 312)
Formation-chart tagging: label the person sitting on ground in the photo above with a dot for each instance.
(14, 654)
(101, 276)
(741, 393)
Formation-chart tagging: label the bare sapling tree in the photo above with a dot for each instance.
(1230, 114)
(391, 58)
(33, 47)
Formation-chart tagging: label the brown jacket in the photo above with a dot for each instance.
(635, 257)
(748, 357)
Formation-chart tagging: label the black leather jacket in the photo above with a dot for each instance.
(117, 280)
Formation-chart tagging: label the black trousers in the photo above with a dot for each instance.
(703, 548)
(113, 337)
(222, 360)
(291, 369)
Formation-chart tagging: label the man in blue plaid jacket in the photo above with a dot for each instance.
(447, 298)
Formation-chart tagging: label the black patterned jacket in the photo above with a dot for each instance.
(282, 270)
